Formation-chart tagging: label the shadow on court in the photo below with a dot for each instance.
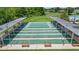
(10, 37)
(66, 35)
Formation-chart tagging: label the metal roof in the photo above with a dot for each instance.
(9, 24)
(68, 25)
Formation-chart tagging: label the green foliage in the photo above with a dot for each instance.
(10, 13)
(21, 12)
(64, 16)
(69, 10)
(54, 10)
(37, 19)
(53, 14)
(57, 9)
(35, 11)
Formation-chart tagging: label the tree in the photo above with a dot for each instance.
(69, 10)
(8, 14)
(64, 16)
(35, 11)
(20, 12)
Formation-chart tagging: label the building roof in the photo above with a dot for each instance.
(68, 25)
(9, 24)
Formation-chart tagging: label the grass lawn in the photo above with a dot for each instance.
(53, 14)
(38, 19)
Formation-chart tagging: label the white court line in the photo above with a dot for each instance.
(43, 28)
(39, 31)
(37, 34)
(40, 28)
(39, 38)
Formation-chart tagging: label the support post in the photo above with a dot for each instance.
(2, 41)
(72, 38)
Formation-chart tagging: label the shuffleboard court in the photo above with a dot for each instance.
(37, 33)
(38, 36)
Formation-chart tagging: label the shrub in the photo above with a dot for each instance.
(64, 16)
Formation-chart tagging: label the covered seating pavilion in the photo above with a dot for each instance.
(10, 26)
(67, 27)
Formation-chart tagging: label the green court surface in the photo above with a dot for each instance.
(38, 25)
(40, 29)
(55, 41)
(38, 36)
(36, 30)
(36, 33)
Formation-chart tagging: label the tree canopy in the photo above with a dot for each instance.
(10, 13)
(69, 10)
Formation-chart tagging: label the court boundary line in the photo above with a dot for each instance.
(39, 28)
(39, 31)
(38, 34)
(39, 38)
